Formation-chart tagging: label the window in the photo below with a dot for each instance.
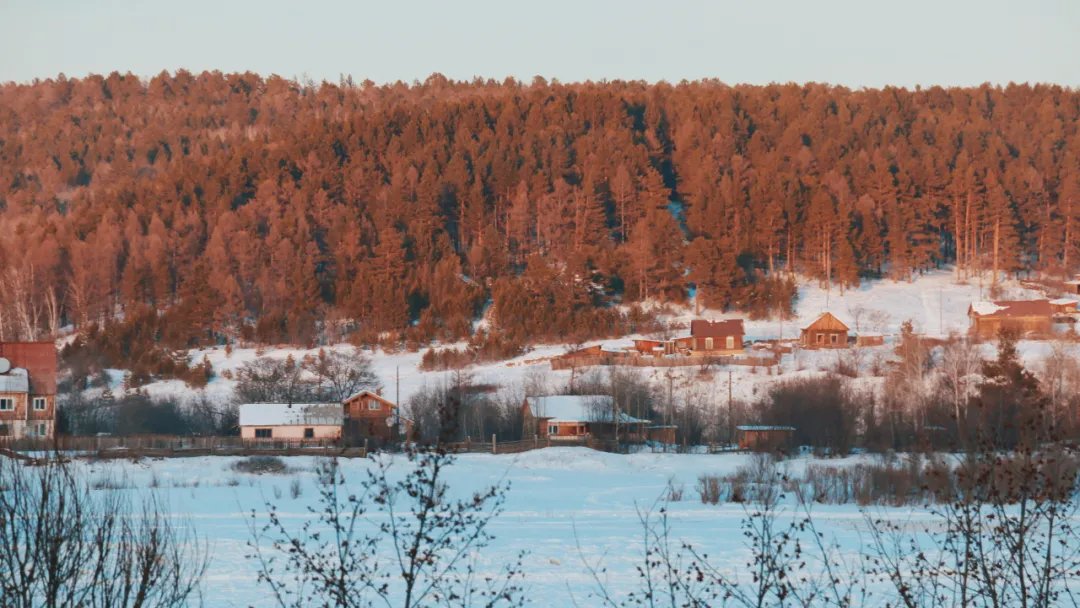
(731, 342)
(832, 338)
(708, 344)
(39, 404)
(6, 405)
(264, 433)
(309, 433)
(821, 338)
(553, 429)
(374, 405)
(39, 429)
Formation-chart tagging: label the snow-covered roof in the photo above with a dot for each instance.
(985, 308)
(15, 381)
(764, 427)
(1073, 282)
(1064, 302)
(296, 414)
(578, 408)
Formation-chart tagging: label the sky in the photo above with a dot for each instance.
(856, 43)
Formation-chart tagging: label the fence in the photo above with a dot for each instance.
(515, 447)
(629, 360)
(171, 446)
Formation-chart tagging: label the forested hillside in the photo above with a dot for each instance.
(190, 209)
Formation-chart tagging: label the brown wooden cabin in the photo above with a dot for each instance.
(577, 417)
(661, 434)
(716, 337)
(825, 332)
(988, 319)
(369, 415)
(762, 438)
(27, 390)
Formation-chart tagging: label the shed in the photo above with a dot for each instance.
(291, 422)
(826, 331)
(1064, 306)
(1074, 285)
(763, 438)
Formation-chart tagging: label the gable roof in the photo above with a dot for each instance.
(826, 321)
(296, 414)
(701, 328)
(371, 394)
(1012, 308)
(15, 381)
(39, 361)
(578, 408)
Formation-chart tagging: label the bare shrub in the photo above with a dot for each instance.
(62, 544)
(295, 489)
(261, 465)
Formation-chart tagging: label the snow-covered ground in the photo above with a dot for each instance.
(559, 499)
(934, 303)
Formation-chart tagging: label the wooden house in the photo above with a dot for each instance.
(369, 415)
(825, 332)
(27, 390)
(764, 438)
(1019, 316)
(1073, 285)
(576, 417)
(291, 422)
(716, 337)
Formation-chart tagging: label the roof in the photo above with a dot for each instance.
(827, 322)
(38, 359)
(15, 381)
(1064, 302)
(296, 414)
(578, 408)
(369, 393)
(764, 427)
(1012, 308)
(714, 329)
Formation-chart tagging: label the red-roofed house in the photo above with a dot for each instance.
(27, 390)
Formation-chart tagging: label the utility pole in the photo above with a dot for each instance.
(730, 410)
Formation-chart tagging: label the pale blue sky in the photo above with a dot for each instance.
(851, 42)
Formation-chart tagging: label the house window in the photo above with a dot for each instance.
(708, 344)
(821, 338)
(374, 405)
(553, 429)
(39, 404)
(731, 342)
(6, 405)
(309, 433)
(832, 338)
(264, 433)
(39, 429)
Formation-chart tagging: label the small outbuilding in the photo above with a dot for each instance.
(291, 422)
(1074, 285)
(826, 331)
(1064, 306)
(764, 438)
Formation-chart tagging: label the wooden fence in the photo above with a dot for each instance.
(171, 446)
(515, 447)
(561, 363)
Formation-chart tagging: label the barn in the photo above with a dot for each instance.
(576, 417)
(291, 422)
(988, 319)
(764, 438)
(826, 331)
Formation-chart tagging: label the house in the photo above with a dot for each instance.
(291, 422)
(826, 331)
(575, 417)
(1020, 316)
(27, 390)
(369, 415)
(716, 337)
(1074, 285)
(764, 438)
